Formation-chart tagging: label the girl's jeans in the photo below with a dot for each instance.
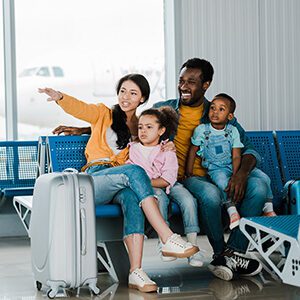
(186, 202)
(128, 185)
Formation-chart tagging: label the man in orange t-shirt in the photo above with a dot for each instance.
(194, 79)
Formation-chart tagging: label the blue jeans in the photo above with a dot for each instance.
(134, 218)
(188, 207)
(128, 185)
(108, 181)
(220, 177)
(210, 204)
(186, 202)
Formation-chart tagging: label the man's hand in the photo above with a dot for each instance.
(238, 182)
(69, 130)
(237, 186)
(168, 146)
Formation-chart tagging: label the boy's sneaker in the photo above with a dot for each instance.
(177, 247)
(269, 214)
(164, 258)
(139, 280)
(196, 260)
(234, 220)
(230, 264)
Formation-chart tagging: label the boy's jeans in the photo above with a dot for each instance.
(210, 205)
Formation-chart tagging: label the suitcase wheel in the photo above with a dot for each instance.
(51, 294)
(38, 285)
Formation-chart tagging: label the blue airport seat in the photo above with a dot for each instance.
(111, 210)
(289, 151)
(66, 152)
(288, 225)
(284, 234)
(18, 166)
(264, 143)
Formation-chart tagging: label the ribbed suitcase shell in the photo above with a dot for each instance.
(62, 231)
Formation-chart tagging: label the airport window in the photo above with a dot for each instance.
(44, 71)
(83, 51)
(28, 72)
(2, 92)
(58, 72)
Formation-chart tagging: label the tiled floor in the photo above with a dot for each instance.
(176, 280)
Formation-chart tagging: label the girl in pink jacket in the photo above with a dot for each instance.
(154, 127)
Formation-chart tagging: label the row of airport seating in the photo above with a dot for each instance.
(22, 161)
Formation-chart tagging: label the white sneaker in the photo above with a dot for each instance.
(177, 247)
(196, 260)
(139, 280)
(164, 258)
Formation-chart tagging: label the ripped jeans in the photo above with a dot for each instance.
(127, 185)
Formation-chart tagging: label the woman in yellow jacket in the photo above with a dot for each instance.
(106, 153)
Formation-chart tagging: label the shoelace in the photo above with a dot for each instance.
(142, 275)
(241, 261)
(177, 240)
(231, 262)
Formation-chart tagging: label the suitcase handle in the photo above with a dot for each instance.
(83, 231)
(70, 170)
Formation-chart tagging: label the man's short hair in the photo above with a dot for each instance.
(201, 64)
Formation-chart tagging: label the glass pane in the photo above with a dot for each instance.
(2, 94)
(83, 48)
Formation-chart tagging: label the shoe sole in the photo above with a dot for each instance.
(185, 254)
(221, 272)
(257, 271)
(147, 288)
(167, 258)
(198, 264)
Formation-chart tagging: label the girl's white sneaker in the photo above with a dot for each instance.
(139, 280)
(176, 246)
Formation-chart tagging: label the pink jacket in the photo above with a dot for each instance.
(160, 164)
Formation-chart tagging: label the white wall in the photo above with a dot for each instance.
(254, 46)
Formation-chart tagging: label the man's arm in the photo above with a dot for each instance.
(70, 130)
(191, 160)
(236, 159)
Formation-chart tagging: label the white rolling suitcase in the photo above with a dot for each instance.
(62, 231)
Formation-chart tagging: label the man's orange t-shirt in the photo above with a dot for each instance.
(189, 119)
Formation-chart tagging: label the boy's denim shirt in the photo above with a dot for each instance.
(248, 147)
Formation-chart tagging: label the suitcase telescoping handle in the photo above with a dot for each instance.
(83, 225)
(83, 231)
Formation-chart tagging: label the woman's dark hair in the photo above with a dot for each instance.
(166, 117)
(118, 115)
